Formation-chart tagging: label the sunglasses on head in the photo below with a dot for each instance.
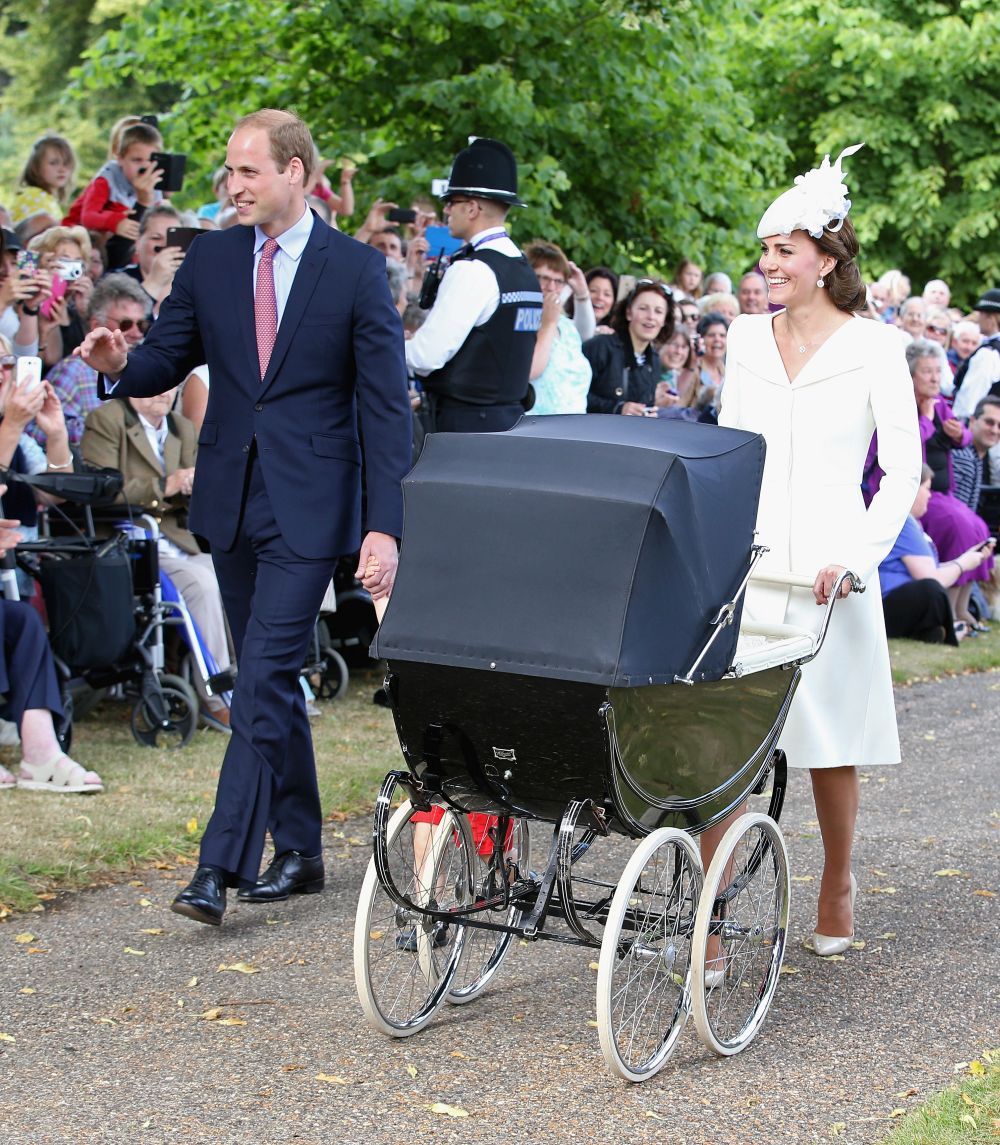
(643, 283)
(126, 324)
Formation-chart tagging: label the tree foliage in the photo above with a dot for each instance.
(630, 137)
(919, 82)
(644, 131)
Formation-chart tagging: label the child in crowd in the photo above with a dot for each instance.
(46, 181)
(117, 197)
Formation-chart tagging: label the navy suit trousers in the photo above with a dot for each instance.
(27, 672)
(268, 779)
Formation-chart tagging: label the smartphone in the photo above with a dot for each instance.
(27, 263)
(58, 290)
(29, 373)
(987, 544)
(440, 241)
(182, 237)
(401, 215)
(172, 165)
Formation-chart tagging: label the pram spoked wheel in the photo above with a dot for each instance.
(167, 717)
(644, 972)
(485, 950)
(744, 916)
(328, 677)
(405, 961)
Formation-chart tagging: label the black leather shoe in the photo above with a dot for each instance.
(204, 898)
(289, 874)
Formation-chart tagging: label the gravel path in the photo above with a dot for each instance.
(102, 1035)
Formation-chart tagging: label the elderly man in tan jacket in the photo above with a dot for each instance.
(155, 451)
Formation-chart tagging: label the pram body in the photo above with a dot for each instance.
(562, 644)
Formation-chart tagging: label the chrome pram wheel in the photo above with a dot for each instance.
(744, 916)
(485, 950)
(644, 971)
(405, 961)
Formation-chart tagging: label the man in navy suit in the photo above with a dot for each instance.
(304, 348)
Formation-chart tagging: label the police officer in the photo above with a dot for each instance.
(473, 353)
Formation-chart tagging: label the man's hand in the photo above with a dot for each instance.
(377, 564)
(127, 229)
(180, 481)
(633, 409)
(104, 350)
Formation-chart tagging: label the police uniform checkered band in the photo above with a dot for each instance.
(515, 297)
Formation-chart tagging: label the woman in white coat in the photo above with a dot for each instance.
(816, 380)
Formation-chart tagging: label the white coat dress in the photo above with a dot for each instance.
(818, 429)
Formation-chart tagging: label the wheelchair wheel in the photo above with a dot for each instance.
(745, 908)
(404, 962)
(644, 970)
(328, 678)
(485, 950)
(170, 722)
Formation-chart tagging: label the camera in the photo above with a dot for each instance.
(69, 269)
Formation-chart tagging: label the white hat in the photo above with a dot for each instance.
(817, 202)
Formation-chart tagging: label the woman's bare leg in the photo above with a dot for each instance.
(710, 841)
(836, 793)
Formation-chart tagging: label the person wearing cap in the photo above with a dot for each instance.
(473, 354)
(979, 374)
(816, 381)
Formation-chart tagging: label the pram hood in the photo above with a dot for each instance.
(594, 548)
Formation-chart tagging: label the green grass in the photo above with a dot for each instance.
(157, 801)
(913, 661)
(964, 1114)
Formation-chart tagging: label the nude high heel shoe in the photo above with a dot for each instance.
(824, 944)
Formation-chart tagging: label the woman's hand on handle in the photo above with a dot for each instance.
(825, 580)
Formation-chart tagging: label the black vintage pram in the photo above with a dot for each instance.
(562, 648)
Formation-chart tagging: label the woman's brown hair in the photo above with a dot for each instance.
(844, 282)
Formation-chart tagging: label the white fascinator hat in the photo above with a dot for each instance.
(818, 201)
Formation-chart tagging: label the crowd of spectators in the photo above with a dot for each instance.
(78, 254)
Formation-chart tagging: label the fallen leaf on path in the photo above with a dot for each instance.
(786, 969)
(411, 1070)
(832, 957)
(132, 950)
(951, 873)
(212, 1015)
(889, 935)
(230, 1022)
(881, 890)
(595, 966)
(145, 902)
(27, 990)
(880, 874)
(977, 1069)
(859, 945)
(24, 938)
(457, 1054)
(155, 930)
(7, 1038)
(985, 894)
(968, 1119)
(193, 982)
(291, 1067)
(37, 950)
(897, 1113)
(837, 1128)
(653, 1113)
(239, 967)
(448, 1110)
(802, 878)
(592, 1023)
(106, 1021)
(911, 1092)
(332, 1078)
(191, 826)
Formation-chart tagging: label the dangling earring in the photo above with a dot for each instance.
(820, 283)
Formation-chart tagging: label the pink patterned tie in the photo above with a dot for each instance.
(265, 305)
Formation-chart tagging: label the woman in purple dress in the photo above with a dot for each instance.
(952, 526)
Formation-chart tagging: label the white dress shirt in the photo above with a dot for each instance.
(291, 244)
(983, 371)
(468, 296)
(157, 438)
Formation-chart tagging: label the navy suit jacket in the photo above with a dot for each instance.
(337, 362)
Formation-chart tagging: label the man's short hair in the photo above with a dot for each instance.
(159, 211)
(399, 278)
(989, 400)
(114, 288)
(287, 135)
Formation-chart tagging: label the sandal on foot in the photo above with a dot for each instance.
(7, 781)
(60, 774)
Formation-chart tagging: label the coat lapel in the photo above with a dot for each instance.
(140, 442)
(303, 285)
(839, 354)
(243, 294)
